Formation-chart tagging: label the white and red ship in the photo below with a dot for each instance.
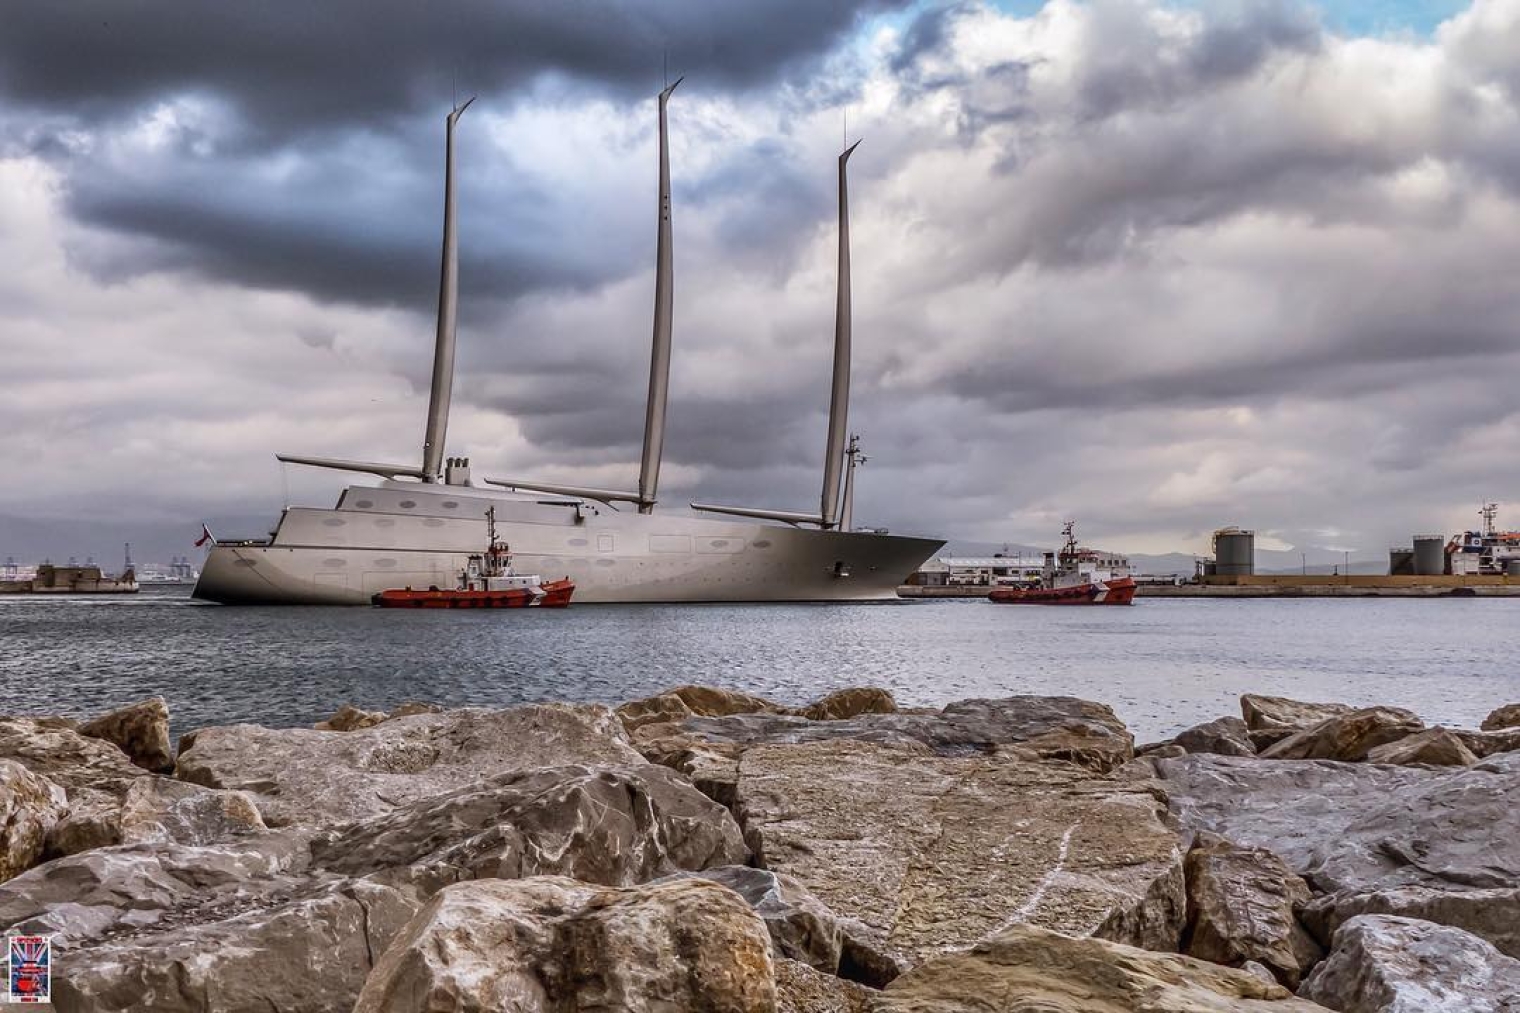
(1074, 576)
(487, 582)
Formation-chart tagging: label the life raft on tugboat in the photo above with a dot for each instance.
(486, 582)
(1075, 576)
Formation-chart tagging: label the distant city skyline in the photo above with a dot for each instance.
(1161, 267)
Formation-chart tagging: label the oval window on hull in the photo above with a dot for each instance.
(364, 504)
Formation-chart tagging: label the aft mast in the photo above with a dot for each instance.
(448, 313)
(659, 355)
(839, 400)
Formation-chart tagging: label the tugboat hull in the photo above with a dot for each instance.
(556, 594)
(1120, 591)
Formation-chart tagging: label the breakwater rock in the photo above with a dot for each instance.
(709, 851)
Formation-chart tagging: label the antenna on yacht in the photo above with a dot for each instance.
(856, 459)
(448, 314)
(839, 400)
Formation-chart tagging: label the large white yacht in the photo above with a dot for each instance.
(420, 524)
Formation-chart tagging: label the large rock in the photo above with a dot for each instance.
(1360, 827)
(1241, 908)
(920, 853)
(1225, 736)
(802, 927)
(616, 826)
(1492, 914)
(850, 703)
(82, 899)
(140, 730)
(1269, 713)
(349, 718)
(30, 805)
(1030, 970)
(1348, 736)
(299, 775)
(310, 953)
(1034, 727)
(153, 809)
(1435, 747)
(713, 702)
(1386, 964)
(1507, 716)
(1490, 743)
(804, 989)
(54, 748)
(547, 945)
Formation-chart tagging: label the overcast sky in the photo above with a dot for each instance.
(1156, 266)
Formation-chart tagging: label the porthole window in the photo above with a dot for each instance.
(451, 504)
(335, 522)
(407, 504)
(385, 562)
(364, 504)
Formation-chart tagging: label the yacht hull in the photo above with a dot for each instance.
(346, 555)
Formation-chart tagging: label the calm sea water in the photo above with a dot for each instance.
(1163, 664)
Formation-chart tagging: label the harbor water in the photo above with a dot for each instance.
(1162, 664)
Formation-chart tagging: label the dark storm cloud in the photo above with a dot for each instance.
(363, 62)
(315, 161)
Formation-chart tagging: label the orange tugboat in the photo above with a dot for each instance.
(1076, 576)
(487, 582)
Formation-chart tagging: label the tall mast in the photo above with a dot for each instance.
(448, 313)
(659, 356)
(856, 458)
(839, 401)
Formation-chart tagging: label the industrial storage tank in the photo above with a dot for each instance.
(1429, 555)
(1401, 562)
(1234, 552)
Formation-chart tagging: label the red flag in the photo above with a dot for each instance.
(205, 537)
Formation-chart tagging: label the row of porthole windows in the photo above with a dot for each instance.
(406, 504)
(385, 522)
(338, 564)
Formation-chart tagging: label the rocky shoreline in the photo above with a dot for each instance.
(709, 851)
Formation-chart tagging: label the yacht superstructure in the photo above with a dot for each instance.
(419, 526)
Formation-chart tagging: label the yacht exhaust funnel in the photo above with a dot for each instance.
(839, 401)
(659, 356)
(448, 313)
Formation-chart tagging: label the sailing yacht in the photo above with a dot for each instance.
(420, 524)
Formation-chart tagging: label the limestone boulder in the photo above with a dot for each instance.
(1267, 713)
(714, 702)
(1025, 969)
(802, 928)
(30, 806)
(612, 826)
(1241, 905)
(850, 703)
(1360, 827)
(1030, 727)
(801, 988)
(141, 730)
(664, 709)
(919, 852)
(348, 717)
(1387, 964)
(1436, 747)
(1492, 914)
(1489, 743)
(54, 748)
(1499, 718)
(82, 899)
(550, 944)
(311, 952)
(1225, 736)
(304, 776)
(153, 809)
(1347, 736)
